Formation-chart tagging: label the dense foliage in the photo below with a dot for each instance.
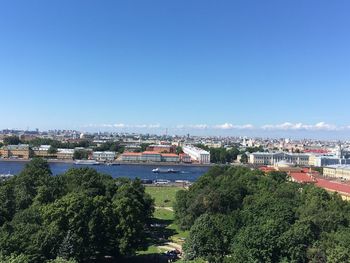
(13, 140)
(110, 146)
(78, 216)
(220, 155)
(240, 215)
(59, 144)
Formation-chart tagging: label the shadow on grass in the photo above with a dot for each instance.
(159, 234)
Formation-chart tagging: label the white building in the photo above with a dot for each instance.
(104, 156)
(197, 154)
(266, 158)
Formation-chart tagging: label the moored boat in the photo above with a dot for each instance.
(170, 170)
(86, 162)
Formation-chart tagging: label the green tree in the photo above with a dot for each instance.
(80, 155)
(12, 140)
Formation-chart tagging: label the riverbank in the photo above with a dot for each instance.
(119, 163)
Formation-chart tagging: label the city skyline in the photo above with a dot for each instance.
(199, 67)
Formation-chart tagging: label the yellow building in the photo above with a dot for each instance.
(21, 151)
(337, 171)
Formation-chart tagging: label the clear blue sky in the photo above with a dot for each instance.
(90, 64)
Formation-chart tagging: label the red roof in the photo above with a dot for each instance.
(334, 186)
(302, 177)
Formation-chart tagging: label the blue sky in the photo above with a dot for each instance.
(215, 67)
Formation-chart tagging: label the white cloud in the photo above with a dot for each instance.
(198, 126)
(321, 126)
(230, 126)
(286, 126)
(119, 125)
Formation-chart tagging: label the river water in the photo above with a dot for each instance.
(190, 173)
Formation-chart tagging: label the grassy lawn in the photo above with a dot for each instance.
(163, 195)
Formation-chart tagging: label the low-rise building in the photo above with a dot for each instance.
(131, 157)
(185, 158)
(43, 151)
(151, 157)
(197, 154)
(170, 157)
(106, 156)
(266, 158)
(65, 154)
(161, 148)
(337, 171)
(21, 151)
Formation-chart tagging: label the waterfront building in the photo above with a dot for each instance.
(170, 157)
(151, 157)
(106, 156)
(131, 157)
(266, 158)
(197, 154)
(65, 154)
(185, 158)
(43, 151)
(21, 151)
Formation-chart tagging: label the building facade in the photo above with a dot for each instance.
(65, 154)
(265, 158)
(21, 151)
(197, 154)
(106, 156)
(337, 171)
(160, 148)
(170, 157)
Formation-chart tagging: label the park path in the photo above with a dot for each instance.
(169, 208)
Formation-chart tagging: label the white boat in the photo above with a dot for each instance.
(165, 171)
(6, 176)
(86, 162)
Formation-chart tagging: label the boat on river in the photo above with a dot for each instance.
(86, 162)
(165, 171)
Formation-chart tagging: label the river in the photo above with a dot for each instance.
(189, 173)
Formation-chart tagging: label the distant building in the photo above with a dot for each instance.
(197, 154)
(330, 160)
(160, 148)
(131, 157)
(43, 151)
(106, 156)
(170, 157)
(266, 158)
(151, 157)
(65, 154)
(185, 158)
(337, 171)
(21, 151)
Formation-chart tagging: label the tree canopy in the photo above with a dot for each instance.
(235, 214)
(74, 217)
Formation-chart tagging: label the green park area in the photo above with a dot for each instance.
(165, 234)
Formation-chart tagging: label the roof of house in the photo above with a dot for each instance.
(302, 177)
(334, 186)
